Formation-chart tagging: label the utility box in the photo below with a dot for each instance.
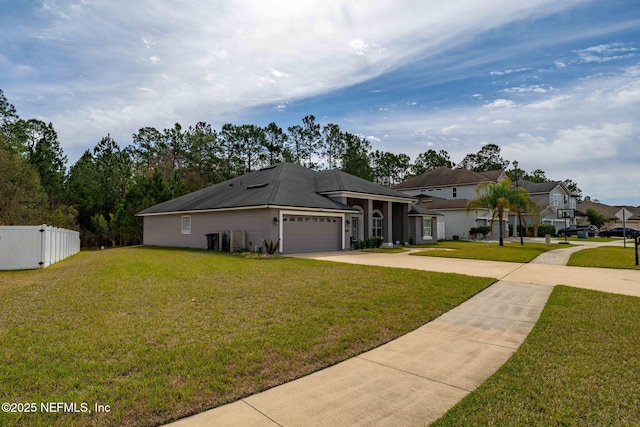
(583, 234)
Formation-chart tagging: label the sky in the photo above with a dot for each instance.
(556, 84)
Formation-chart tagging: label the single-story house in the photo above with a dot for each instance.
(305, 210)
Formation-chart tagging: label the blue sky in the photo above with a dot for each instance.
(556, 84)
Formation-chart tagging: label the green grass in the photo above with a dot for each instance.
(159, 334)
(579, 367)
(606, 257)
(491, 251)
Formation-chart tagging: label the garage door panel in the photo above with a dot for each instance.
(305, 233)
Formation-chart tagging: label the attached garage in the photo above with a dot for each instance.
(311, 233)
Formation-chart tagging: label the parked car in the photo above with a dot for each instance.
(631, 233)
(591, 230)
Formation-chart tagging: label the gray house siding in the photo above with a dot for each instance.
(166, 230)
(415, 230)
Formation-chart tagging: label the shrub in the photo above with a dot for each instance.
(375, 242)
(543, 230)
(271, 247)
(371, 242)
(483, 230)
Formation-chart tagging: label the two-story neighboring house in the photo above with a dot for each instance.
(448, 191)
(549, 198)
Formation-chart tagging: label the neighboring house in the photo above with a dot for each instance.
(448, 191)
(610, 213)
(306, 210)
(549, 198)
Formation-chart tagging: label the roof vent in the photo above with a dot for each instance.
(256, 185)
(267, 168)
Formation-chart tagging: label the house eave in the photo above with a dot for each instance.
(242, 208)
(381, 197)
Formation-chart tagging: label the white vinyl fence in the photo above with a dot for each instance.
(35, 246)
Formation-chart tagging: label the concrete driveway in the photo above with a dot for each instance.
(415, 379)
(548, 269)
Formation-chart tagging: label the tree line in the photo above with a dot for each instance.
(101, 192)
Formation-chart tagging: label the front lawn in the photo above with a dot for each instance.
(578, 367)
(490, 251)
(158, 334)
(606, 257)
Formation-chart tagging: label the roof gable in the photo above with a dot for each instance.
(540, 187)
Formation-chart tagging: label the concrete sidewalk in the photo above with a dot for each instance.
(410, 381)
(414, 379)
(620, 281)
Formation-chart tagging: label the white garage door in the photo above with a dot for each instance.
(305, 233)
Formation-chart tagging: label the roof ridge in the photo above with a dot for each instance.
(275, 181)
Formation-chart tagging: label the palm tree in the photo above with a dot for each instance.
(501, 196)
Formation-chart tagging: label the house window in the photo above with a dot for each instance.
(355, 227)
(186, 224)
(455, 192)
(426, 228)
(376, 226)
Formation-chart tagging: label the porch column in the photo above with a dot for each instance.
(388, 220)
(369, 216)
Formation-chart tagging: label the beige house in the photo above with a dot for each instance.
(610, 213)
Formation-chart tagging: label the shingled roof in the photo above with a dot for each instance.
(285, 184)
(443, 176)
(539, 187)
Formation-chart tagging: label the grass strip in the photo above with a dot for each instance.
(489, 251)
(578, 367)
(159, 334)
(606, 257)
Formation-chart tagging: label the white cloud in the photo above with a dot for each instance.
(214, 56)
(279, 74)
(501, 103)
(447, 130)
(359, 46)
(505, 72)
(607, 52)
(587, 132)
(524, 89)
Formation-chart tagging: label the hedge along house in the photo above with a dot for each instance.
(306, 210)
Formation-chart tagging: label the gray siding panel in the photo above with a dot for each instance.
(165, 230)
